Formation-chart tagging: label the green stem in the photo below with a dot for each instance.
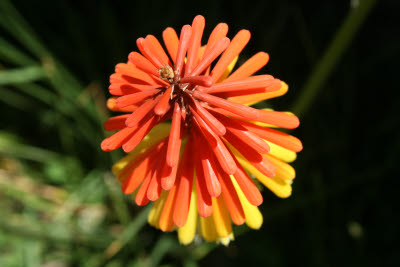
(333, 53)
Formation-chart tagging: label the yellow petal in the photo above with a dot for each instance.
(254, 218)
(154, 136)
(226, 240)
(278, 186)
(281, 152)
(252, 99)
(155, 212)
(207, 229)
(228, 69)
(221, 217)
(188, 231)
(283, 170)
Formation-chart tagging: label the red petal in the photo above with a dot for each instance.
(184, 41)
(236, 46)
(135, 98)
(182, 200)
(244, 111)
(195, 42)
(163, 105)
(143, 63)
(174, 143)
(171, 41)
(251, 66)
(115, 123)
(210, 55)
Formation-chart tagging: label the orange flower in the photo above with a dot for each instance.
(200, 168)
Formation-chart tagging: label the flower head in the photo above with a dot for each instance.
(199, 169)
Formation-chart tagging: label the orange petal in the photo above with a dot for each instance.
(157, 48)
(184, 42)
(218, 33)
(231, 199)
(247, 112)
(171, 41)
(143, 63)
(182, 201)
(195, 42)
(236, 46)
(163, 105)
(115, 123)
(174, 143)
(251, 66)
(210, 55)
(166, 218)
(132, 99)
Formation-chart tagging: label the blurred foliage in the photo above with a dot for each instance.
(61, 206)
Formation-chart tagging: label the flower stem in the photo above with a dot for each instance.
(332, 55)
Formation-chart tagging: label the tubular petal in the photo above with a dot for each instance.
(254, 218)
(244, 111)
(251, 139)
(236, 46)
(115, 123)
(166, 219)
(228, 70)
(126, 88)
(116, 140)
(280, 119)
(174, 143)
(282, 153)
(134, 173)
(198, 80)
(208, 167)
(143, 63)
(155, 213)
(283, 170)
(279, 187)
(204, 204)
(188, 231)
(209, 56)
(132, 99)
(163, 106)
(157, 49)
(171, 41)
(195, 42)
(141, 196)
(144, 111)
(207, 229)
(282, 139)
(247, 84)
(231, 199)
(221, 152)
(279, 89)
(251, 66)
(220, 215)
(129, 73)
(144, 47)
(218, 33)
(111, 105)
(184, 42)
(159, 132)
(142, 130)
(208, 118)
(184, 186)
(154, 190)
(247, 186)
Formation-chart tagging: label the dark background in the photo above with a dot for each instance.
(342, 211)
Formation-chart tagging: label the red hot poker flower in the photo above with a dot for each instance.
(199, 169)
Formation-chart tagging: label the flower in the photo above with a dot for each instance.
(201, 169)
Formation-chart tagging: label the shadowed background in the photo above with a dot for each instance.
(61, 206)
